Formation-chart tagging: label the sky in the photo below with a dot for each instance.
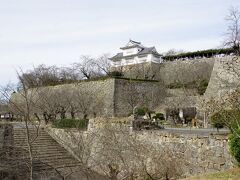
(58, 32)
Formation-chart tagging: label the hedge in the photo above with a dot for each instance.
(203, 53)
(71, 123)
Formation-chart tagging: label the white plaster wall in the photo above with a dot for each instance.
(127, 52)
(137, 60)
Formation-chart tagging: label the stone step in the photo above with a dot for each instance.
(32, 139)
(30, 136)
(51, 156)
(58, 161)
(23, 131)
(42, 167)
(46, 151)
(45, 159)
(18, 136)
(38, 144)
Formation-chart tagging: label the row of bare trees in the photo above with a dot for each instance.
(87, 68)
(59, 102)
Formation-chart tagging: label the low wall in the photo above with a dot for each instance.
(201, 153)
(193, 154)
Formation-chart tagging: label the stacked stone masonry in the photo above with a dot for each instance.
(197, 153)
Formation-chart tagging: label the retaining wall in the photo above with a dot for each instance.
(193, 153)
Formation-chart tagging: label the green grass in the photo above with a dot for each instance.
(233, 174)
(71, 123)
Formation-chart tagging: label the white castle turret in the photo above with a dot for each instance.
(135, 53)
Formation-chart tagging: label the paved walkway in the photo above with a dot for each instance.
(196, 131)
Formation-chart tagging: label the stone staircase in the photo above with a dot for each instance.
(50, 160)
(48, 155)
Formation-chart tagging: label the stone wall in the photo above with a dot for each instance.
(185, 71)
(203, 153)
(130, 93)
(104, 90)
(109, 97)
(147, 70)
(225, 77)
(178, 92)
(193, 153)
(94, 96)
(200, 154)
(181, 101)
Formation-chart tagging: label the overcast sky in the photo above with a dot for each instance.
(59, 31)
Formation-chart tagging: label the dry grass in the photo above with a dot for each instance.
(233, 174)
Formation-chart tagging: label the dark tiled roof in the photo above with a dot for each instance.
(118, 55)
(135, 42)
(145, 50)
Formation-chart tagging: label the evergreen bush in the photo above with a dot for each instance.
(141, 111)
(234, 144)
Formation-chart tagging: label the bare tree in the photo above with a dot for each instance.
(171, 52)
(233, 30)
(41, 75)
(86, 67)
(23, 103)
(90, 67)
(104, 64)
(87, 101)
(49, 104)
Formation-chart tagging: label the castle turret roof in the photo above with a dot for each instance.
(143, 51)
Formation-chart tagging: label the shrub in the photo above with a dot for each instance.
(228, 118)
(71, 123)
(141, 111)
(116, 74)
(201, 86)
(234, 143)
(159, 116)
(217, 120)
